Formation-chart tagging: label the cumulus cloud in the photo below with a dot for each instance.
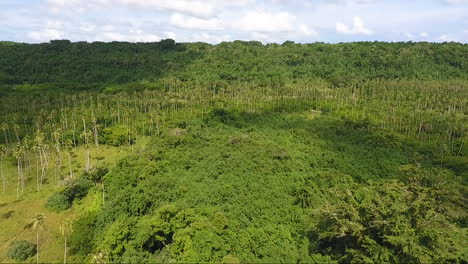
(52, 30)
(46, 34)
(265, 22)
(213, 20)
(447, 38)
(357, 28)
(305, 30)
(198, 8)
(185, 22)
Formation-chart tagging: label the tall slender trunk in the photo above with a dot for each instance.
(37, 247)
(65, 251)
(1, 173)
(42, 167)
(88, 164)
(6, 138)
(37, 171)
(96, 135)
(70, 165)
(19, 179)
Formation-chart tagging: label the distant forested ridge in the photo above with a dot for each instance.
(83, 65)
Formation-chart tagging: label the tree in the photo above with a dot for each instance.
(86, 135)
(4, 127)
(37, 224)
(69, 147)
(19, 150)
(2, 153)
(98, 258)
(58, 158)
(65, 229)
(95, 132)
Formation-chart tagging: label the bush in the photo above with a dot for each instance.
(58, 202)
(96, 175)
(218, 115)
(115, 136)
(81, 239)
(78, 188)
(75, 190)
(21, 250)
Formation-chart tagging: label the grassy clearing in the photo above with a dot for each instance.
(16, 214)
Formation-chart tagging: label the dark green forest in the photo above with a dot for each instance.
(83, 65)
(234, 153)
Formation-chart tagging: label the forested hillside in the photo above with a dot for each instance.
(234, 153)
(89, 65)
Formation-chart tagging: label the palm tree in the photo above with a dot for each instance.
(95, 131)
(2, 153)
(58, 159)
(65, 229)
(86, 135)
(4, 127)
(98, 258)
(19, 149)
(70, 149)
(37, 224)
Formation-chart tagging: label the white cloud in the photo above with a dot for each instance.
(132, 36)
(198, 8)
(353, 1)
(265, 22)
(46, 35)
(305, 30)
(52, 30)
(181, 21)
(170, 35)
(204, 37)
(86, 27)
(357, 28)
(447, 38)
(108, 27)
(456, 1)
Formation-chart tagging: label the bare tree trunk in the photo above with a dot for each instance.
(37, 172)
(88, 164)
(65, 251)
(19, 177)
(70, 164)
(96, 135)
(37, 246)
(1, 173)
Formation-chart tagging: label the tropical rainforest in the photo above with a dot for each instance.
(238, 152)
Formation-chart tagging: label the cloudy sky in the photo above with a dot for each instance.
(214, 21)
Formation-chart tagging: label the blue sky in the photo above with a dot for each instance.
(214, 21)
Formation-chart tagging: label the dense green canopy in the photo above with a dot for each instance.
(87, 65)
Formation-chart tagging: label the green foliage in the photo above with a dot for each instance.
(109, 65)
(58, 201)
(76, 189)
(385, 222)
(292, 153)
(116, 136)
(21, 250)
(82, 238)
(96, 175)
(236, 186)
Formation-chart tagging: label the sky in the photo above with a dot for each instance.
(214, 21)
